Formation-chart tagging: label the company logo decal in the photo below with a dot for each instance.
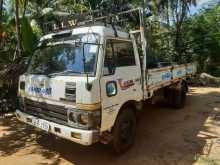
(125, 84)
(179, 73)
(39, 86)
(43, 91)
(166, 76)
(189, 69)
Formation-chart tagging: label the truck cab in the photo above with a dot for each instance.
(77, 82)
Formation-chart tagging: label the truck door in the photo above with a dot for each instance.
(121, 79)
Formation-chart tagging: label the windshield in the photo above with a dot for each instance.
(65, 57)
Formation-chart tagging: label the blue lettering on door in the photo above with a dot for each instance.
(37, 90)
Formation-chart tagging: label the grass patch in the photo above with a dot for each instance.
(205, 160)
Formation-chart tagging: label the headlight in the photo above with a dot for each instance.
(71, 117)
(84, 119)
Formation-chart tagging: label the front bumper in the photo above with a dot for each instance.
(84, 137)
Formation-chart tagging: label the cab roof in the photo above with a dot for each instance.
(103, 31)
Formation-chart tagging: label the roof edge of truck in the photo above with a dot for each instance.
(99, 29)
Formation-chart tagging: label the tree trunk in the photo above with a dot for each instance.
(17, 28)
(1, 28)
(1, 14)
(178, 42)
(168, 24)
(1, 10)
(168, 14)
(25, 6)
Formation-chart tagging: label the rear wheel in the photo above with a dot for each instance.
(124, 131)
(179, 98)
(176, 97)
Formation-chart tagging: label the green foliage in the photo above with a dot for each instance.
(178, 38)
(7, 38)
(36, 29)
(29, 41)
(168, 36)
(197, 39)
(69, 5)
(203, 37)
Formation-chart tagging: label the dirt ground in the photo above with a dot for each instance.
(164, 137)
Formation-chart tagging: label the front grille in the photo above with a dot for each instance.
(57, 114)
(70, 91)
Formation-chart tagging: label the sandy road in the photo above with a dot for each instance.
(164, 137)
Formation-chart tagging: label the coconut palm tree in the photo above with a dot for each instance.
(175, 13)
(17, 20)
(1, 8)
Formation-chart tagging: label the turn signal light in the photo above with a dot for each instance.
(75, 135)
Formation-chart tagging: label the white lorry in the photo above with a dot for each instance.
(86, 84)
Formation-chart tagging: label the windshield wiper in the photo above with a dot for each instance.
(67, 72)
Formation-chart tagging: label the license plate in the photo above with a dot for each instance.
(41, 124)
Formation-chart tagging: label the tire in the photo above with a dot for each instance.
(124, 131)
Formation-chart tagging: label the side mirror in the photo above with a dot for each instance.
(111, 88)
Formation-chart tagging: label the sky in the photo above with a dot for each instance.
(201, 4)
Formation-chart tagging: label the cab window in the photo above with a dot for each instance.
(124, 53)
(119, 53)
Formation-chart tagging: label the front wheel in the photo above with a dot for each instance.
(124, 131)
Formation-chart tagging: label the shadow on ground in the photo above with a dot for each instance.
(164, 137)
